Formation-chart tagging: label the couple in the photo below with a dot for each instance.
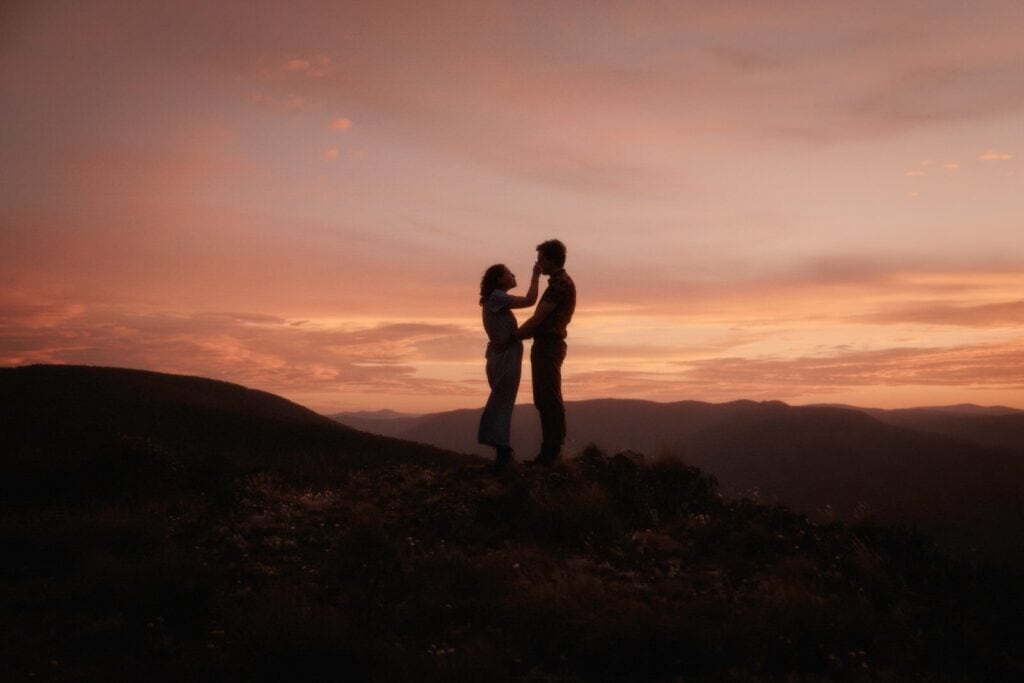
(547, 328)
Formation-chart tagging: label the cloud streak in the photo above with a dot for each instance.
(259, 350)
(996, 365)
(1002, 314)
(995, 155)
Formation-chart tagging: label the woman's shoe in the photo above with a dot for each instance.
(503, 458)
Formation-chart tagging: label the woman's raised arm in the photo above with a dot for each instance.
(531, 294)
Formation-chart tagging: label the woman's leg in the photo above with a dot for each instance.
(503, 374)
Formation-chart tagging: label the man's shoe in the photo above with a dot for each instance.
(544, 459)
(549, 454)
(502, 460)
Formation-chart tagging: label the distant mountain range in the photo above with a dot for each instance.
(956, 472)
(70, 432)
(653, 427)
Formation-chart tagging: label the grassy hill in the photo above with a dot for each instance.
(347, 556)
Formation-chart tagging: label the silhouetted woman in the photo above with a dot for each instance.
(504, 356)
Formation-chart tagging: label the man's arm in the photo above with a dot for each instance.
(542, 311)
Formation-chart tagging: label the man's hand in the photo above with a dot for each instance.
(537, 270)
(505, 343)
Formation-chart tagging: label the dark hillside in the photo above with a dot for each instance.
(603, 569)
(85, 431)
(850, 463)
(170, 528)
(1001, 430)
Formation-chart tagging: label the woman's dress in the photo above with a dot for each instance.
(504, 369)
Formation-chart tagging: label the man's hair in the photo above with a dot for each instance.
(554, 251)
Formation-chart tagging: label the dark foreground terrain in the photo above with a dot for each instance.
(326, 563)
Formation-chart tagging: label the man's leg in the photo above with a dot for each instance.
(546, 359)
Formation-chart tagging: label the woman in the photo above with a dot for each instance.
(504, 356)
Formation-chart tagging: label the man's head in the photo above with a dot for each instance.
(551, 256)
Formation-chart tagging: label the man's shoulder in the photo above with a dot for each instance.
(558, 283)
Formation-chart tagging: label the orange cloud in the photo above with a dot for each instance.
(993, 155)
(341, 123)
(820, 288)
(870, 375)
(258, 350)
(316, 66)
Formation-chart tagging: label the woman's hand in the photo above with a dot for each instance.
(531, 294)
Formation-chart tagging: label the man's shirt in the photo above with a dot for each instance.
(561, 292)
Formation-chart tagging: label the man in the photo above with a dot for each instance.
(547, 327)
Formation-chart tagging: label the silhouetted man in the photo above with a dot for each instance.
(548, 326)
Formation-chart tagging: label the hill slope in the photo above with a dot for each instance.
(816, 459)
(72, 430)
(995, 428)
(620, 424)
(249, 539)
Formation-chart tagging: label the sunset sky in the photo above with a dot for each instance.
(801, 200)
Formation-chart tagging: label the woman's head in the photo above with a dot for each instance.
(496, 277)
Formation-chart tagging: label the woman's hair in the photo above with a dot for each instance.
(489, 282)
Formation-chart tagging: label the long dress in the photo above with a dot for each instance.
(504, 369)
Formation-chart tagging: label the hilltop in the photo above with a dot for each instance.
(357, 557)
(953, 472)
